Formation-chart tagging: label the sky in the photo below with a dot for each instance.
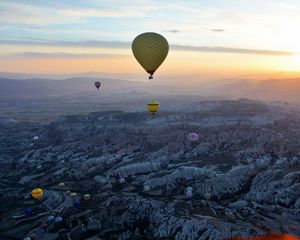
(207, 37)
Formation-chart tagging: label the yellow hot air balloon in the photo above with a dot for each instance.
(150, 50)
(153, 107)
(37, 193)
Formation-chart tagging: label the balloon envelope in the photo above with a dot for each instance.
(189, 191)
(86, 196)
(97, 84)
(73, 194)
(193, 137)
(37, 193)
(27, 211)
(35, 138)
(76, 203)
(153, 107)
(58, 219)
(150, 50)
(207, 196)
(50, 218)
(122, 180)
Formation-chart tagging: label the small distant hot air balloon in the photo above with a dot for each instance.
(73, 194)
(189, 192)
(76, 203)
(122, 180)
(50, 218)
(35, 138)
(153, 107)
(58, 219)
(37, 193)
(150, 50)
(27, 211)
(207, 196)
(87, 197)
(193, 137)
(97, 85)
(39, 167)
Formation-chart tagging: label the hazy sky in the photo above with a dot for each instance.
(218, 37)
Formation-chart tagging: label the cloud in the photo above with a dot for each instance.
(287, 6)
(84, 44)
(232, 50)
(127, 45)
(20, 14)
(91, 12)
(217, 30)
(173, 31)
(68, 55)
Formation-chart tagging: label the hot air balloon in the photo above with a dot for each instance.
(50, 218)
(35, 138)
(207, 196)
(189, 192)
(39, 167)
(122, 180)
(97, 85)
(73, 194)
(37, 193)
(27, 211)
(76, 203)
(150, 50)
(153, 107)
(87, 197)
(58, 219)
(193, 137)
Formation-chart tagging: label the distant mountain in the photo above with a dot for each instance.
(25, 76)
(35, 88)
(270, 90)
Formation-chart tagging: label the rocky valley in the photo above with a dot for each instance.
(147, 181)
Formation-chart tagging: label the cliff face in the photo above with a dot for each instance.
(147, 181)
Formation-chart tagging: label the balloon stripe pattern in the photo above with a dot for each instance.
(150, 50)
(153, 107)
(37, 193)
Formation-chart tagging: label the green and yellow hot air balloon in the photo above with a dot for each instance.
(153, 107)
(150, 50)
